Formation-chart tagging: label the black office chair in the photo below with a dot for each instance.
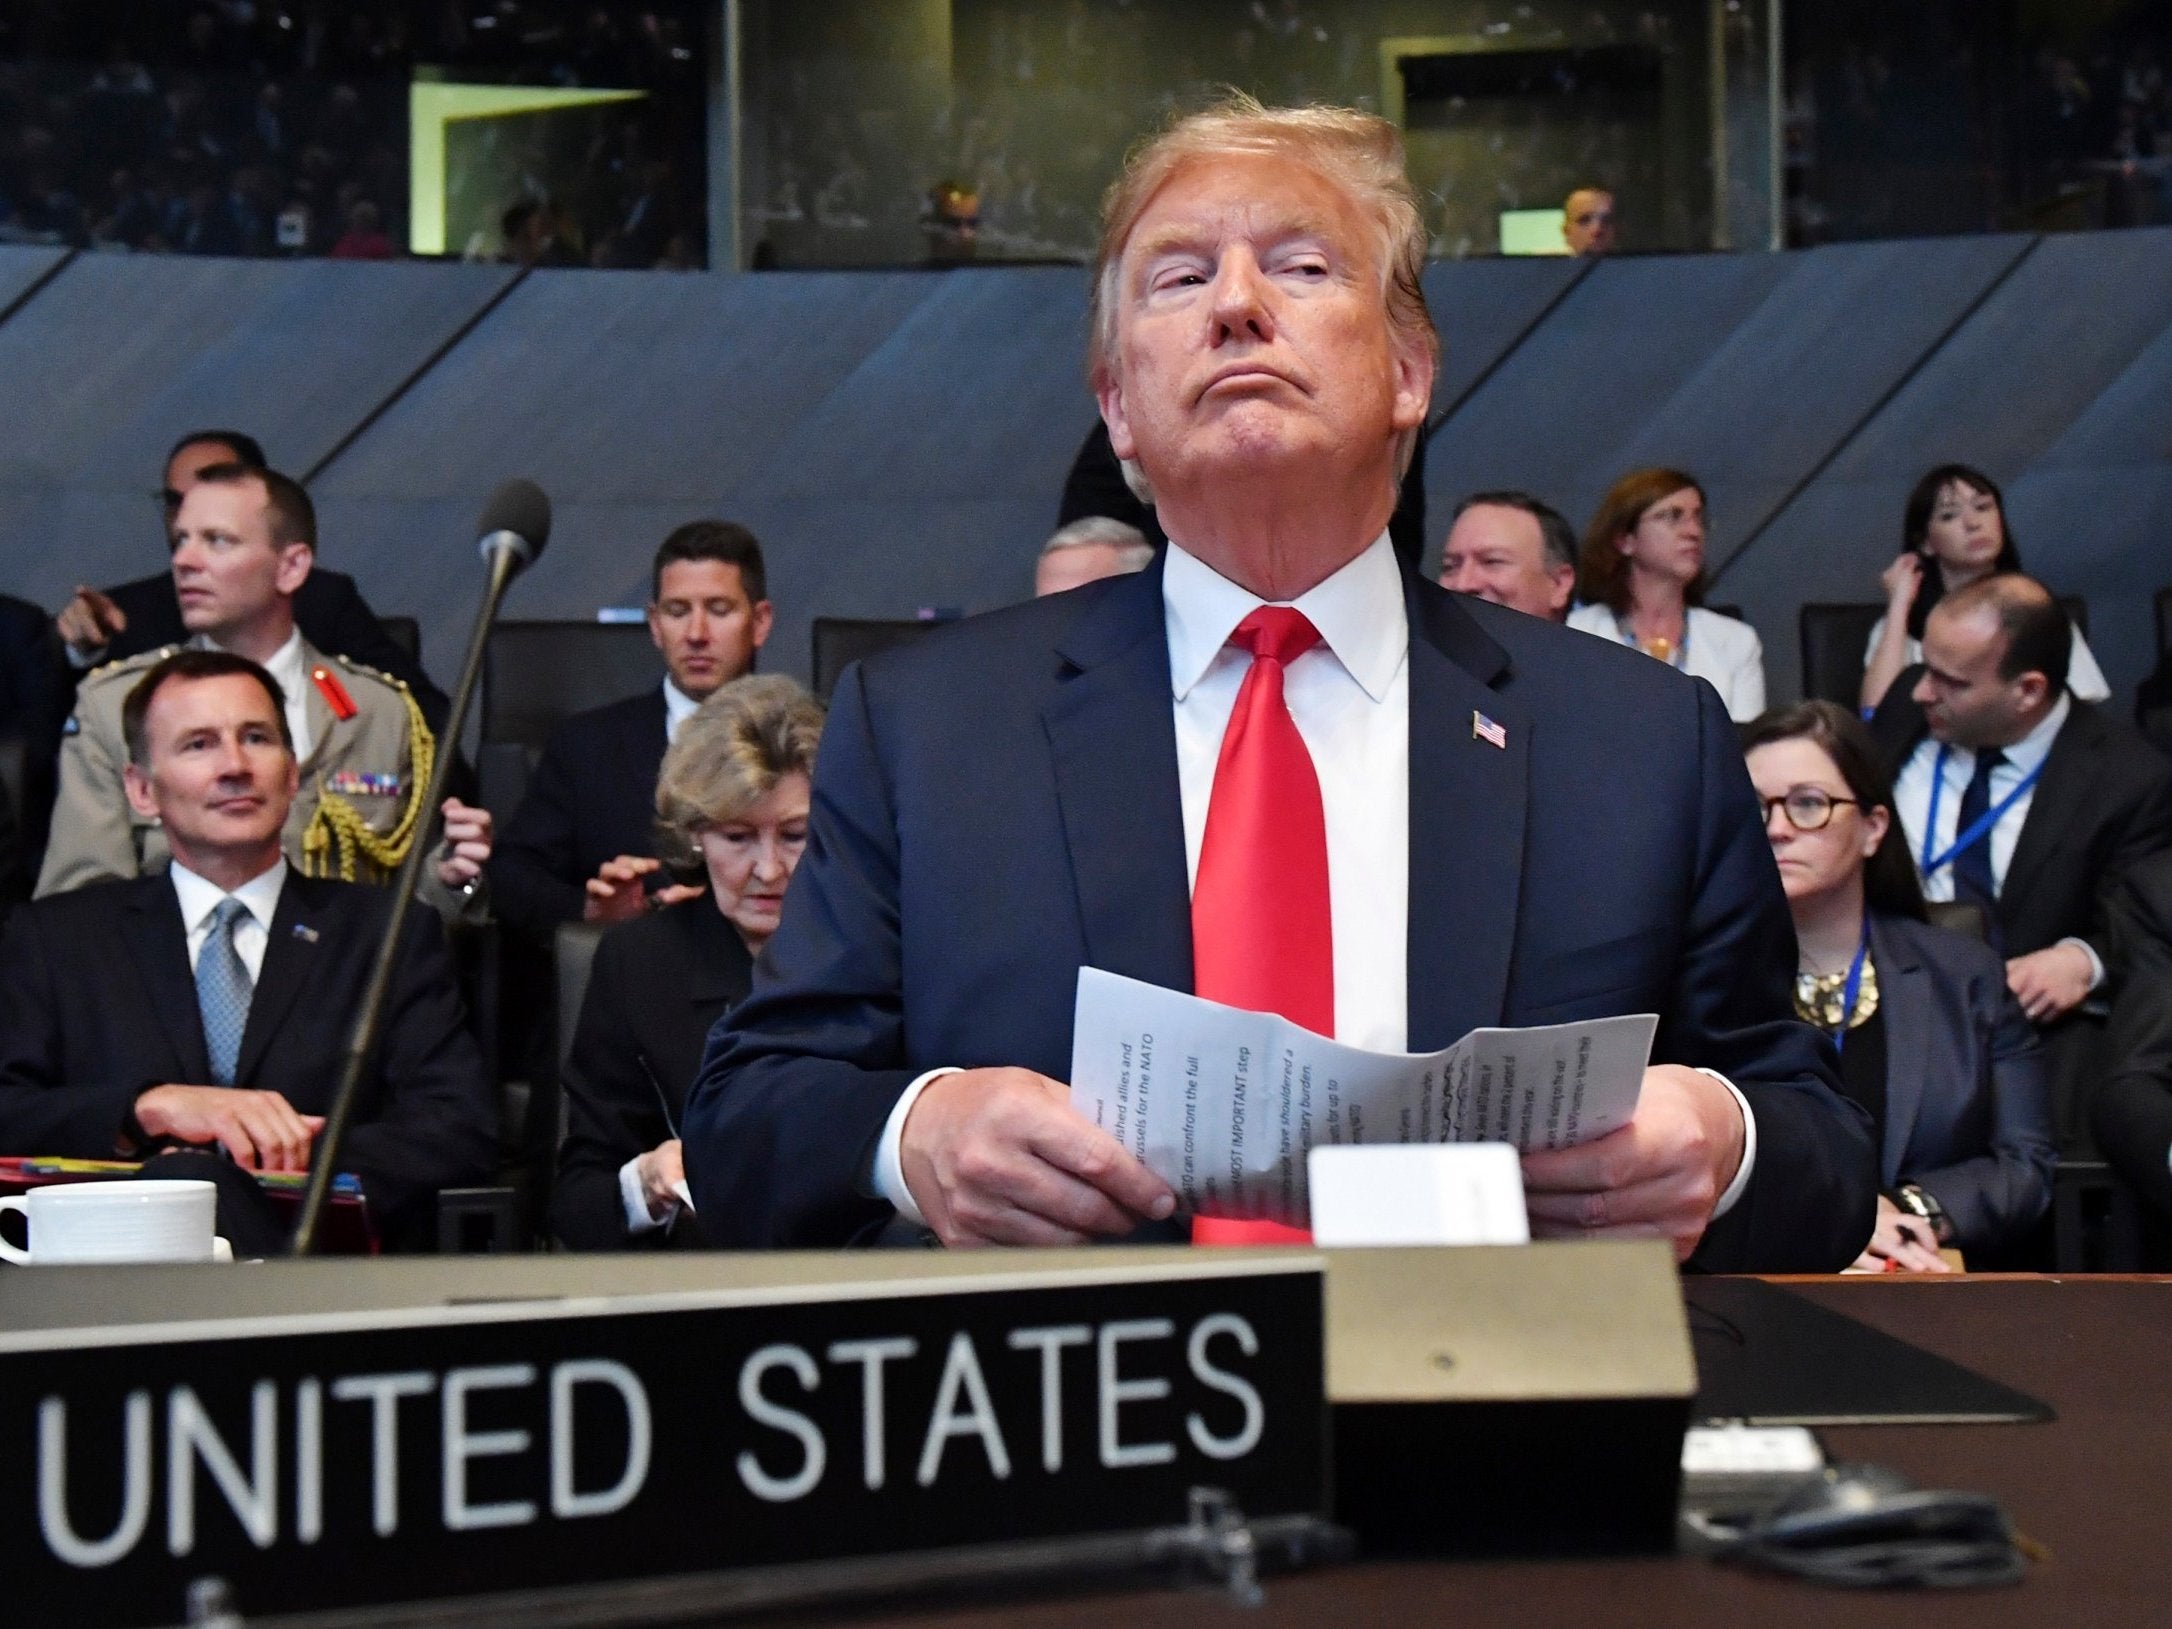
(404, 632)
(538, 673)
(1833, 637)
(840, 641)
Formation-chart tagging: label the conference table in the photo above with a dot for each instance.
(2092, 1489)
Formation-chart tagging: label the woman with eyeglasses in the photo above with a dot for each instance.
(1953, 533)
(1933, 1046)
(1641, 577)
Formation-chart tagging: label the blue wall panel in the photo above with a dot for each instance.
(21, 265)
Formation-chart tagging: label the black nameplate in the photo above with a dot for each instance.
(350, 1460)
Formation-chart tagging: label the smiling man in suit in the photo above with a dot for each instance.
(1276, 768)
(207, 1006)
(582, 844)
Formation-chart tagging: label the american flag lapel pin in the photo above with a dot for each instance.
(1484, 729)
(304, 932)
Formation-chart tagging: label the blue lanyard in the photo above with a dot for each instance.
(1852, 989)
(1976, 832)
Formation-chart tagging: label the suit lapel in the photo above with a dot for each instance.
(291, 949)
(1904, 996)
(1111, 729)
(1467, 807)
(2057, 808)
(158, 944)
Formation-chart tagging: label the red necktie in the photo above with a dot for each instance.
(1262, 930)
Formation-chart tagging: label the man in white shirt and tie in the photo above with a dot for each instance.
(2016, 796)
(1277, 770)
(207, 1006)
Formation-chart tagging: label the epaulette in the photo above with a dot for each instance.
(368, 672)
(131, 664)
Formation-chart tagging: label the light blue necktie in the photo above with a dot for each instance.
(223, 988)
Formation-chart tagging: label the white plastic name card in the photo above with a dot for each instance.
(1371, 1194)
(1750, 1450)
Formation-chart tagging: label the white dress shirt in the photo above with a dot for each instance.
(199, 898)
(292, 672)
(1350, 698)
(2084, 679)
(1912, 800)
(678, 708)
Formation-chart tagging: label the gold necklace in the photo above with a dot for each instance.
(1820, 998)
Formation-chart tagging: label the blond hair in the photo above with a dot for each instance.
(729, 754)
(1359, 153)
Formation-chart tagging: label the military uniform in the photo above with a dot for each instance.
(361, 785)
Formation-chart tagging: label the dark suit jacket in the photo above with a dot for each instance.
(658, 985)
(98, 1004)
(36, 693)
(2132, 1117)
(998, 806)
(328, 608)
(2105, 800)
(591, 799)
(1967, 1096)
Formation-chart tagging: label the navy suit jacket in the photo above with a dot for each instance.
(98, 1005)
(1967, 1095)
(591, 799)
(998, 806)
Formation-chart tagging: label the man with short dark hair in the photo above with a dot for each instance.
(113, 624)
(1512, 549)
(582, 842)
(244, 544)
(209, 1007)
(2014, 794)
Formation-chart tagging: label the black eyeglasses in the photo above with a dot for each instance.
(1808, 809)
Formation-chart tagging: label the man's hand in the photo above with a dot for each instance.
(2050, 983)
(89, 621)
(997, 1156)
(1657, 1177)
(661, 1170)
(614, 892)
(259, 1129)
(1903, 1240)
(466, 847)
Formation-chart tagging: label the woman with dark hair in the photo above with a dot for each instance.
(1953, 533)
(1933, 1046)
(731, 808)
(1641, 577)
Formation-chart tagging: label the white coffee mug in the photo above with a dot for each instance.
(79, 1222)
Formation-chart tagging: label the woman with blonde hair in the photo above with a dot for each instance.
(1641, 578)
(731, 809)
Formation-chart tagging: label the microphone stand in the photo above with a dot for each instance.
(506, 558)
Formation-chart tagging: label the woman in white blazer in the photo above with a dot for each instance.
(1641, 578)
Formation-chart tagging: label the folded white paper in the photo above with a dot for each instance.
(1368, 1195)
(1224, 1105)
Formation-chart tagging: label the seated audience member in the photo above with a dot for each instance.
(1587, 222)
(1087, 551)
(2153, 705)
(731, 801)
(2132, 1114)
(1510, 548)
(1953, 533)
(1642, 582)
(208, 1007)
(35, 693)
(1933, 1045)
(113, 624)
(2014, 794)
(583, 833)
(1024, 793)
(244, 544)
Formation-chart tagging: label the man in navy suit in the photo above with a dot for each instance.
(582, 843)
(1520, 826)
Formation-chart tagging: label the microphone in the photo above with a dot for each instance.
(516, 521)
(515, 525)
